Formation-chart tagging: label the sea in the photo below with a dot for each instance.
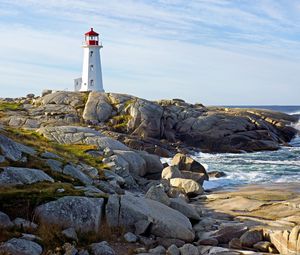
(262, 167)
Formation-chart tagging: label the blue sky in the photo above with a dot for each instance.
(211, 51)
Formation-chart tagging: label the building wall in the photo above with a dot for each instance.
(91, 71)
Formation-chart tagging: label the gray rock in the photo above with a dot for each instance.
(5, 221)
(137, 165)
(190, 187)
(80, 135)
(171, 172)
(13, 150)
(101, 249)
(97, 107)
(19, 246)
(173, 250)
(70, 233)
(130, 237)
(183, 207)
(145, 118)
(141, 226)
(50, 155)
(111, 176)
(189, 249)
(197, 177)
(251, 237)
(54, 165)
(25, 224)
(75, 171)
(63, 98)
(126, 210)
(157, 193)
(82, 213)
(153, 163)
(159, 250)
(17, 175)
(227, 233)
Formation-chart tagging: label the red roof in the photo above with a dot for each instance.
(91, 33)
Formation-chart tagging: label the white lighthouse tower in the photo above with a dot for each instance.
(91, 79)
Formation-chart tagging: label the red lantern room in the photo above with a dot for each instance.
(92, 38)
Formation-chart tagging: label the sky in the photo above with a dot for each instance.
(215, 52)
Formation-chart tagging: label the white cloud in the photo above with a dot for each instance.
(212, 51)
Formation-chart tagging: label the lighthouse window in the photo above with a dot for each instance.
(92, 82)
(92, 67)
(91, 53)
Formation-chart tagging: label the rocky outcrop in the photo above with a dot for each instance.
(80, 135)
(165, 222)
(97, 108)
(82, 213)
(213, 129)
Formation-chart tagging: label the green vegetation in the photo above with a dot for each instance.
(20, 200)
(70, 152)
(119, 122)
(10, 106)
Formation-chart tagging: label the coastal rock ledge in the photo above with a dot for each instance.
(143, 124)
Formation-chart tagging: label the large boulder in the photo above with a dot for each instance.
(97, 108)
(251, 237)
(12, 150)
(189, 186)
(19, 246)
(186, 163)
(186, 209)
(145, 118)
(73, 99)
(101, 248)
(127, 210)
(5, 221)
(137, 164)
(82, 213)
(157, 193)
(170, 172)
(153, 163)
(10, 176)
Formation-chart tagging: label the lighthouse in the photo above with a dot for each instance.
(91, 79)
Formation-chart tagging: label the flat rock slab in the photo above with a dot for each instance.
(273, 205)
(10, 176)
(81, 135)
(82, 213)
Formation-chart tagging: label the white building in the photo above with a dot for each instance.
(91, 79)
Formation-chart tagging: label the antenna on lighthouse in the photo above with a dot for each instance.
(91, 79)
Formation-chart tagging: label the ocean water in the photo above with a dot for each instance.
(258, 167)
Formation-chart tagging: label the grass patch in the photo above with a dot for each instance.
(20, 200)
(10, 106)
(74, 153)
(119, 122)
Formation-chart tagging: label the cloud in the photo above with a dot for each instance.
(214, 51)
